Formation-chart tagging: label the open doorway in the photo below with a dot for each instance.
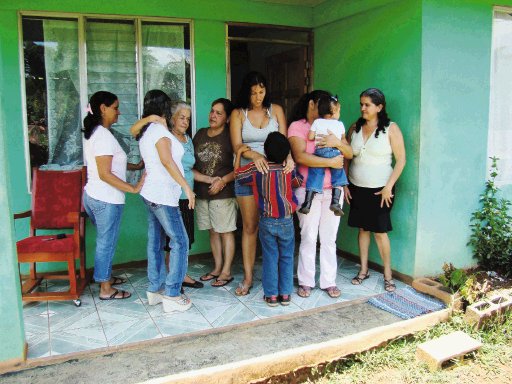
(283, 55)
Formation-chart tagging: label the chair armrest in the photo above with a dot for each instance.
(22, 215)
(73, 217)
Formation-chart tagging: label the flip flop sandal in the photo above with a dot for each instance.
(195, 284)
(358, 279)
(221, 282)
(208, 276)
(333, 292)
(124, 295)
(118, 280)
(242, 290)
(389, 285)
(304, 291)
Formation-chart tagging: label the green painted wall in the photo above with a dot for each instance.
(209, 39)
(432, 60)
(377, 47)
(456, 40)
(12, 334)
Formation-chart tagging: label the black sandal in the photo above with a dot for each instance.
(359, 278)
(389, 285)
(124, 295)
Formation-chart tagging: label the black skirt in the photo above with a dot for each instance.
(188, 220)
(366, 212)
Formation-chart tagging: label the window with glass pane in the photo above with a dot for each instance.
(166, 59)
(111, 66)
(500, 113)
(52, 78)
(50, 48)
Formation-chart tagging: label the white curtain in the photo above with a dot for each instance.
(63, 99)
(111, 66)
(500, 113)
(164, 59)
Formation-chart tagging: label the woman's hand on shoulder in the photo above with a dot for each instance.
(260, 162)
(289, 164)
(156, 119)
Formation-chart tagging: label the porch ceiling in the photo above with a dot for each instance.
(306, 3)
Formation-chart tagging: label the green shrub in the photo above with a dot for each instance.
(491, 228)
(453, 278)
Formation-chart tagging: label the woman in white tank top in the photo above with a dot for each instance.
(375, 141)
(250, 125)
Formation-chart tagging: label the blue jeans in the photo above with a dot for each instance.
(315, 181)
(106, 217)
(277, 237)
(242, 190)
(166, 220)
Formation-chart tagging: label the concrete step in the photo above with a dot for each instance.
(235, 354)
(438, 351)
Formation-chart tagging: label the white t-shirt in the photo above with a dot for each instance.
(159, 187)
(320, 126)
(103, 143)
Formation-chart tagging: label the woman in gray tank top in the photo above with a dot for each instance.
(250, 124)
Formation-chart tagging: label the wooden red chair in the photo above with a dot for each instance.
(56, 205)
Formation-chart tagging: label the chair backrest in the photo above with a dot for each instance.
(54, 195)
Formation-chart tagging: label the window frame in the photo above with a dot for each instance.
(492, 81)
(82, 62)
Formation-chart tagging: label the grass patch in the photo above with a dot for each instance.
(396, 362)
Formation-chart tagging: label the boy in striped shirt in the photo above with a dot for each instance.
(276, 203)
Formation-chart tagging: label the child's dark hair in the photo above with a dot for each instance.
(276, 147)
(327, 105)
(156, 102)
(93, 118)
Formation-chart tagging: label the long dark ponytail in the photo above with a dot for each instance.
(93, 118)
(377, 98)
(300, 109)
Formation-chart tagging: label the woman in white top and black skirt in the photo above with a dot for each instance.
(375, 140)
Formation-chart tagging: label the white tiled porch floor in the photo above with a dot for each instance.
(55, 328)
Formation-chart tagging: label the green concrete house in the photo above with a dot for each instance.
(443, 65)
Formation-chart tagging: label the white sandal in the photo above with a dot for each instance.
(154, 298)
(179, 303)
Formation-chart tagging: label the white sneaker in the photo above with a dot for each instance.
(179, 303)
(154, 298)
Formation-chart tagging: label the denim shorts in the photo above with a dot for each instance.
(242, 190)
